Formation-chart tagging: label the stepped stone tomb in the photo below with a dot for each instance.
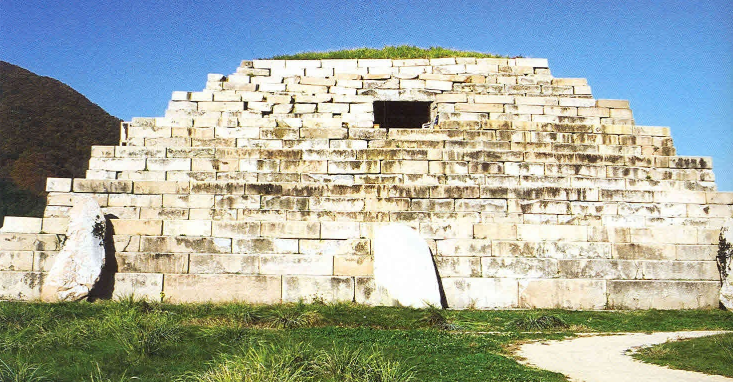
(268, 186)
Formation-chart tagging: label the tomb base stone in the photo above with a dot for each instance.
(404, 268)
(80, 261)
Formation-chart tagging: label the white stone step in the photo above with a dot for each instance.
(19, 224)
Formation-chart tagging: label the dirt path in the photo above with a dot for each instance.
(603, 358)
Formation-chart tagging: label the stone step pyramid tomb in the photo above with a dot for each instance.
(268, 186)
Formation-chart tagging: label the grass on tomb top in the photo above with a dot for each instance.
(394, 52)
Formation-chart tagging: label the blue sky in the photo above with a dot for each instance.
(673, 60)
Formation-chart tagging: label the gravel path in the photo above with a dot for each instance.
(603, 358)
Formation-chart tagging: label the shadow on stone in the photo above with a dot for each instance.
(443, 299)
(105, 286)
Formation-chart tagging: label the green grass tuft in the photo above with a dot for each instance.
(261, 363)
(98, 376)
(436, 318)
(298, 362)
(394, 52)
(291, 318)
(20, 371)
(143, 335)
(542, 322)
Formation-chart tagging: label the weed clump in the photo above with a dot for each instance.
(543, 322)
(293, 318)
(435, 318)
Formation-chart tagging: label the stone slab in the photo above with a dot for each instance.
(574, 294)
(480, 293)
(146, 286)
(403, 266)
(24, 286)
(216, 288)
(18, 224)
(317, 288)
(660, 294)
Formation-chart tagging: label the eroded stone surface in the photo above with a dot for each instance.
(80, 261)
(403, 267)
(725, 255)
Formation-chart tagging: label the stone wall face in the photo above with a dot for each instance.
(268, 185)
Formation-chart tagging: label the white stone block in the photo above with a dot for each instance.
(296, 265)
(303, 108)
(58, 184)
(532, 62)
(439, 85)
(140, 285)
(187, 228)
(339, 108)
(450, 69)
(374, 63)
(316, 288)
(79, 263)
(357, 84)
(339, 64)
(480, 293)
(340, 230)
(442, 61)
(180, 96)
(17, 224)
(403, 267)
(117, 164)
(577, 102)
(271, 87)
(168, 164)
(319, 72)
(266, 64)
(562, 294)
(287, 72)
(342, 90)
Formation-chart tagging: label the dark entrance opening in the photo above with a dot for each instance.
(401, 114)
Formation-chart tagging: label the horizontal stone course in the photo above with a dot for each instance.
(220, 287)
(662, 294)
(562, 294)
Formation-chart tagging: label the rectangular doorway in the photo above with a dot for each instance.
(401, 114)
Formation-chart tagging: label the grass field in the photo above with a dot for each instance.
(394, 52)
(119, 341)
(710, 355)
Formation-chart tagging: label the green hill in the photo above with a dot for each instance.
(46, 130)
